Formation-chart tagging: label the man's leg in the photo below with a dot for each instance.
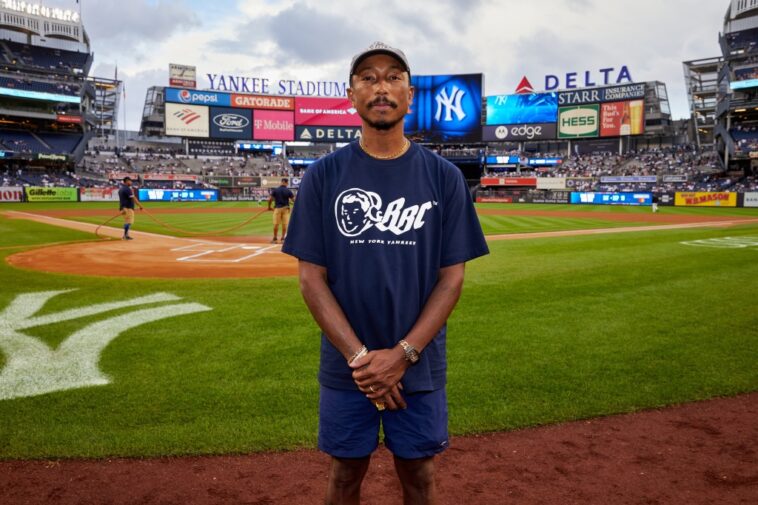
(277, 218)
(285, 222)
(345, 478)
(417, 479)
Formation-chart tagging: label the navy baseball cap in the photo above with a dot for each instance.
(379, 48)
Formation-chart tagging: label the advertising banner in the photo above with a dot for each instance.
(38, 194)
(186, 120)
(578, 182)
(674, 178)
(65, 118)
(263, 102)
(620, 179)
(248, 181)
(11, 194)
(184, 76)
(503, 160)
(494, 199)
(446, 108)
(626, 92)
(551, 183)
(539, 162)
(622, 118)
(508, 181)
(551, 197)
(750, 199)
(593, 146)
(228, 123)
(325, 112)
(50, 157)
(577, 122)
(98, 194)
(270, 182)
(518, 133)
(612, 198)
(706, 199)
(327, 133)
(598, 95)
(178, 195)
(273, 125)
(515, 109)
(195, 97)
(220, 181)
(169, 177)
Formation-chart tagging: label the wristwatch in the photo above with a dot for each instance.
(411, 354)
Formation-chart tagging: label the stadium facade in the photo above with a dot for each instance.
(49, 104)
(723, 91)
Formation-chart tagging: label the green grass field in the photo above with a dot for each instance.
(547, 330)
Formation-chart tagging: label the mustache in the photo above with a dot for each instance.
(382, 101)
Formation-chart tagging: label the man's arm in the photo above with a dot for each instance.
(383, 369)
(325, 309)
(270, 200)
(134, 197)
(333, 322)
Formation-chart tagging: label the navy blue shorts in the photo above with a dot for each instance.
(349, 424)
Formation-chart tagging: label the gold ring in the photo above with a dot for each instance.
(379, 405)
(371, 387)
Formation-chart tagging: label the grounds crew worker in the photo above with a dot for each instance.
(382, 229)
(281, 197)
(126, 201)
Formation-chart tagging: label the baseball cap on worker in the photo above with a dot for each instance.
(379, 48)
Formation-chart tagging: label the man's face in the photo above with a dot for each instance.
(128, 182)
(381, 91)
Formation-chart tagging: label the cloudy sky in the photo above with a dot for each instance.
(314, 40)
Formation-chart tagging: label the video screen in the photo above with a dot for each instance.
(518, 109)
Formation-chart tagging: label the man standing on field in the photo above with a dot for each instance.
(126, 201)
(281, 197)
(382, 229)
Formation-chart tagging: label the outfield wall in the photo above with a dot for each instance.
(519, 195)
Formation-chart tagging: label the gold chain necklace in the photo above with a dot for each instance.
(392, 156)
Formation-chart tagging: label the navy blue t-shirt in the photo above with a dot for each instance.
(282, 195)
(125, 200)
(383, 229)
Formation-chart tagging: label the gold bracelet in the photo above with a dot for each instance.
(359, 354)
